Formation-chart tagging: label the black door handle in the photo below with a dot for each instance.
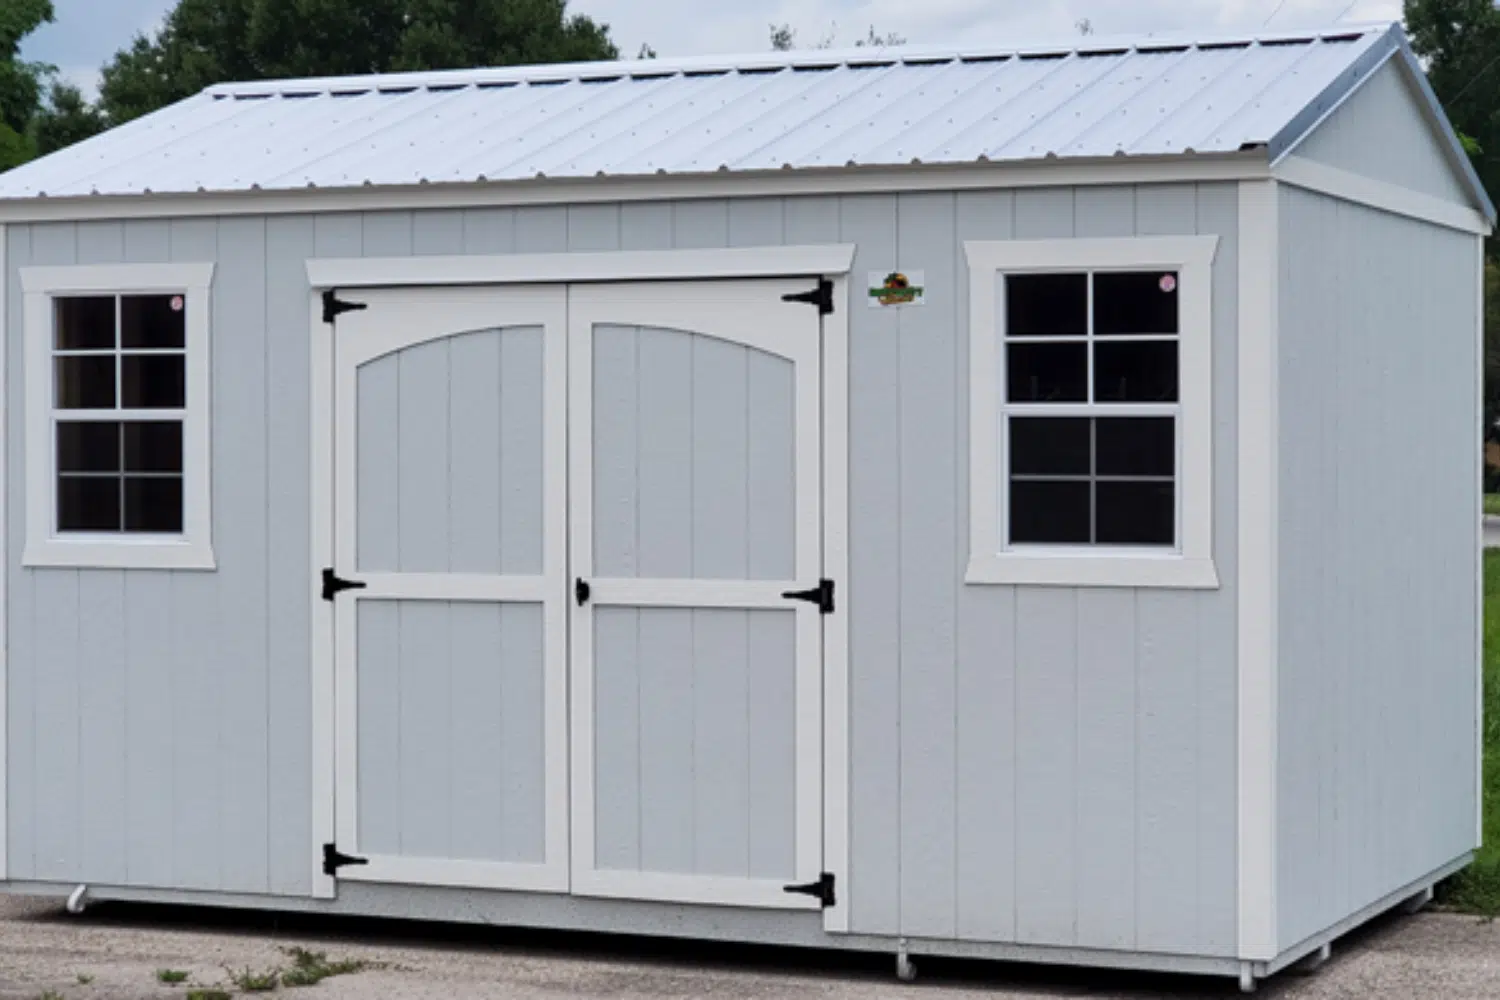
(582, 591)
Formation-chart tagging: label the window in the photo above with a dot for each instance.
(1091, 415)
(117, 436)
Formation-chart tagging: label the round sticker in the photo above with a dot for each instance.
(1169, 283)
(177, 303)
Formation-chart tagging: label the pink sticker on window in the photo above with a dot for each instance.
(177, 303)
(1169, 283)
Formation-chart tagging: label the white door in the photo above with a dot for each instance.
(450, 647)
(694, 517)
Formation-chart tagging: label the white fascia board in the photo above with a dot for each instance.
(1310, 175)
(573, 268)
(1198, 168)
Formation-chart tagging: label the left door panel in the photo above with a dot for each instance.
(450, 659)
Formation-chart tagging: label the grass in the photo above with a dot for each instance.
(1477, 888)
(1492, 503)
(207, 994)
(251, 981)
(84, 979)
(50, 995)
(171, 976)
(309, 968)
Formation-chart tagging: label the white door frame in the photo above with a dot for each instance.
(833, 262)
(707, 309)
(394, 321)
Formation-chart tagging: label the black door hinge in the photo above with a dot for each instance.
(582, 591)
(332, 585)
(333, 860)
(821, 595)
(821, 890)
(822, 296)
(333, 306)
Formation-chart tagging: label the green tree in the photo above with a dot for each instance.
(66, 119)
(1459, 40)
(204, 42)
(21, 82)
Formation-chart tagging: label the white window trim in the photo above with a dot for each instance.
(44, 546)
(1191, 564)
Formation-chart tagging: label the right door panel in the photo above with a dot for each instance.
(695, 510)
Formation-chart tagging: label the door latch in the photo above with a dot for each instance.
(582, 591)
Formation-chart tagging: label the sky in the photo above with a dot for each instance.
(88, 32)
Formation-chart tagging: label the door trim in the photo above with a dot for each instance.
(641, 304)
(334, 721)
(564, 268)
(836, 705)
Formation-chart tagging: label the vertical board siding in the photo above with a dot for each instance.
(1029, 764)
(694, 741)
(1376, 708)
(1382, 132)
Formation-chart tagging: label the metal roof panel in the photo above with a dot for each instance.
(1081, 99)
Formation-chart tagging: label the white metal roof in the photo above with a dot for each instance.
(1090, 99)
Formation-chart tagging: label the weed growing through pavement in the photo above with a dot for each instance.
(255, 982)
(171, 976)
(312, 967)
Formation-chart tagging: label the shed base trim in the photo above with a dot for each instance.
(1384, 904)
(627, 917)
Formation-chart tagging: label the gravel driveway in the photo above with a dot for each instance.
(119, 949)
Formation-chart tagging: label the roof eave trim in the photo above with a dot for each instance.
(1251, 164)
(1392, 45)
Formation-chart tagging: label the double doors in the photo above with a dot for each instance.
(572, 517)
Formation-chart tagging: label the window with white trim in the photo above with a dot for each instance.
(1091, 411)
(117, 412)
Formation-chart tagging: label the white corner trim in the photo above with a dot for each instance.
(836, 704)
(194, 548)
(1479, 549)
(1257, 625)
(5, 334)
(559, 268)
(593, 191)
(990, 562)
(1336, 183)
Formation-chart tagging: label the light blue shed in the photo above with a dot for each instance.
(1018, 504)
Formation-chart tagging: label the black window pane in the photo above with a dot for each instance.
(1136, 446)
(88, 447)
(86, 383)
(1049, 513)
(157, 321)
(88, 503)
(1135, 371)
(1046, 305)
(85, 324)
(1135, 303)
(154, 504)
(1047, 373)
(153, 382)
(153, 446)
(1049, 445)
(1136, 513)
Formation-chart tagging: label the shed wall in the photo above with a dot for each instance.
(1382, 132)
(1379, 440)
(1038, 765)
